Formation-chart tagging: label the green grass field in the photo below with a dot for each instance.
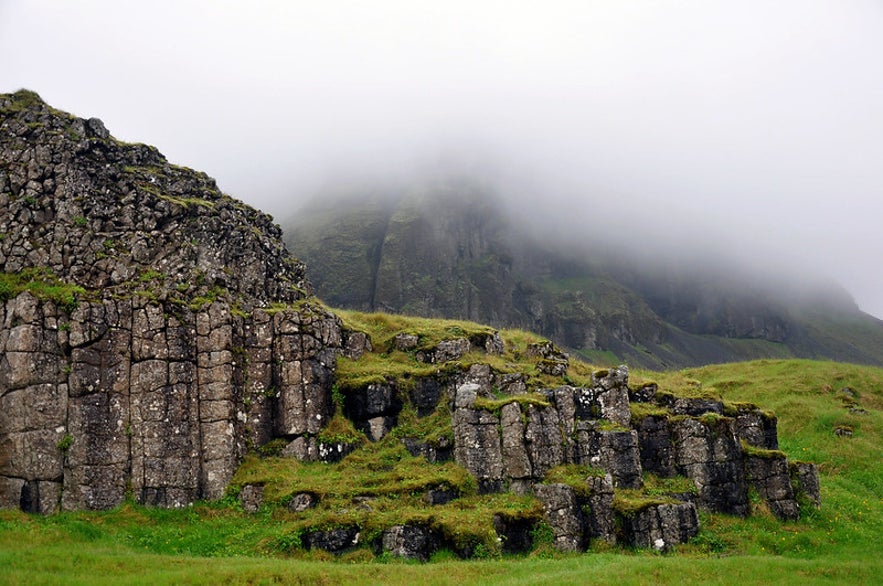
(218, 543)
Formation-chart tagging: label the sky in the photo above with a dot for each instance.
(756, 126)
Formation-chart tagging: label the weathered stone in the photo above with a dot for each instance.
(465, 395)
(335, 452)
(251, 497)
(477, 446)
(805, 476)
(660, 526)
(440, 451)
(655, 443)
(516, 462)
(373, 409)
(439, 496)
(695, 406)
(302, 501)
(411, 542)
(405, 342)
(445, 351)
(757, 428)
(335, 541)
(643, 394)
(157, 380)
(616, 451)
(425, 395)
(355, 344)
(769, 474)
(544, 440)
(563, 514)
(491, 343)
(707, 451)
(597, 508)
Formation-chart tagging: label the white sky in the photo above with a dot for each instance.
(754, 123)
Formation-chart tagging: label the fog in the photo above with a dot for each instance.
(752, 129)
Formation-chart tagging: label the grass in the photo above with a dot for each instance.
(42, 284)
(381, 484)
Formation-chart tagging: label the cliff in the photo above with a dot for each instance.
(152, 328)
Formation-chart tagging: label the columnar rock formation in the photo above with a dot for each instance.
(153, 330)
(179, 331)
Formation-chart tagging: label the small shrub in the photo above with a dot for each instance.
(65, 442)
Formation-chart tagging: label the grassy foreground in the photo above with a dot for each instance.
(218, 543)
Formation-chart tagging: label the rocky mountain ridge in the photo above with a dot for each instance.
(449, 248)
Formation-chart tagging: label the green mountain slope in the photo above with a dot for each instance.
(449, 249)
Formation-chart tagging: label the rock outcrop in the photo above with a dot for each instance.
(152, 328)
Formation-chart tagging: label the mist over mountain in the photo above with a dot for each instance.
(453, 242)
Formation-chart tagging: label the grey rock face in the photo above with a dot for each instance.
(563, 513)
(757, 428)
(302, 501)
(445, 351)
(374, 409)
(412, 542)
(521, 443)
(708, 452)
(477, 446)
(334, 541)
(656, 446)
(172, 362)
(251, 497)
(660, 526)
(576, 518)
(614, 451)
(771, 477)
(805, 476)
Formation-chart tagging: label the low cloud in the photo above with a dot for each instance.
(753, 127)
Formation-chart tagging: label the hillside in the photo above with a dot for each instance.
(449, 248)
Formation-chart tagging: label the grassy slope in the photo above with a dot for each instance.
(216, 542)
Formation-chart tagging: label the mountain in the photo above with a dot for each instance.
(452, 248)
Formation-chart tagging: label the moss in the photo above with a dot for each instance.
(574, 476)
(736, 408)
(754, 451)
(340, 430)
(630, 502)
(712, 419)
(186, 202)
(658, 486)
(65, 443)
(642, 410)
(524, 400)
(273, 448)
(42, 284)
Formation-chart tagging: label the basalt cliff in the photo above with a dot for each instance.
(152, 328)
(156, 334)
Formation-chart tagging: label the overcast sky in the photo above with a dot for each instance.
(754, 123)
